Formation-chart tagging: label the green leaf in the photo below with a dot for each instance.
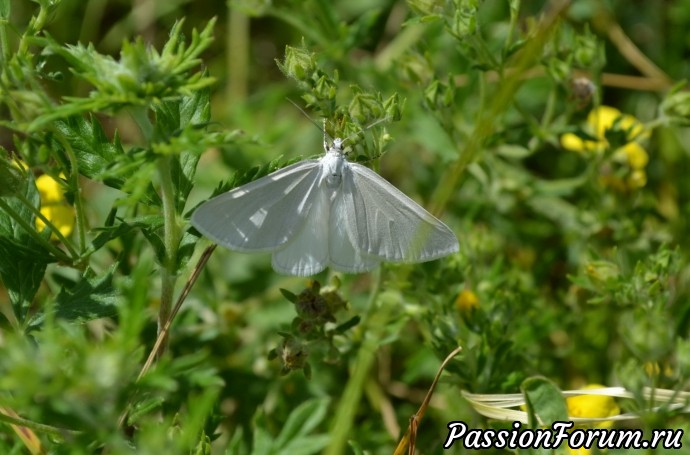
(109, 233)
(288, 295)
(545, 403)
(559, 187)
(22, 271)
(23, 259)
(4, 9)
(180, 131)
(302, 420)
(91, 298)
(307, 445)
(262, 442)
(94, 151)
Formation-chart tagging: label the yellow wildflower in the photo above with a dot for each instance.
(467, 301)
(54, 206)
(631, 154)
(593, 406)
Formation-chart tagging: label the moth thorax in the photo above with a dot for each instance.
(333, 164)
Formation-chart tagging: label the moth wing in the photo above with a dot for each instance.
(345, 255)
(384, 222)
(307, 252)
(264, 214)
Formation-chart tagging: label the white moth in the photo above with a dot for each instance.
(325, 212)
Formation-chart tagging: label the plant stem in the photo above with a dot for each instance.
(171, 241)
(73, 180)
(237, 57)
(35, 25)
(373, 329)
(16, 420)
(501, 100)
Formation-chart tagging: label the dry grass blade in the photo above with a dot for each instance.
(499, 406)
(411, 435)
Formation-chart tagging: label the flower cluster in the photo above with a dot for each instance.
(617, 137)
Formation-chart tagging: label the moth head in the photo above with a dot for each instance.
(338, 144)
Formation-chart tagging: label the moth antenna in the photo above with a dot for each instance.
(323, 129)
(369, 126)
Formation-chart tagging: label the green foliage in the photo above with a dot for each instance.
(116, 123)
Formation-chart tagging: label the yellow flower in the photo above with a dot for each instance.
(593, 406)
(54, 206)
(466, 301)
(632, 155)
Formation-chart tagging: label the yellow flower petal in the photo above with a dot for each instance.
(636, 156)
(53, 206)
(593, 406)
(62, 217)
(634, 127)
(601, 119)
(573, 142)
(50, 189)
(466, 301)
(637, 179)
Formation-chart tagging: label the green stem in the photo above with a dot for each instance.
(171, 240)
(373, 328)
(58, 253)
(501, 100)
(238, 57)
(4, 42)
(35, 25)
(402, 42)
(76, 190)
(61, 432)
(171, 227)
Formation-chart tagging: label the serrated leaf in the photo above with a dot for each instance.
(179, 124)
(196, 109)
(23, 259)
(95, 153)
(186, 248)
(124, 227)
(21, 271)
(90, 298)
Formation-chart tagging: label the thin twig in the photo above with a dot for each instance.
(166, 327)
(411, 435)
(624, 81)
